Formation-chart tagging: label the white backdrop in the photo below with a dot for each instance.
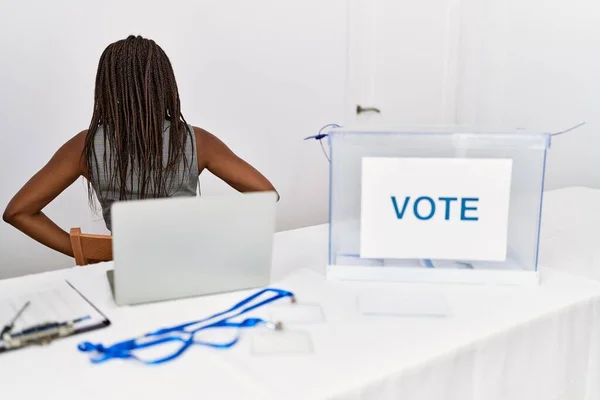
(486, 64)
(534, 64)
(259, 74)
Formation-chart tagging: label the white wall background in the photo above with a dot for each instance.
(403, 59)
(263, 74)
(499, 65)
(535, 64)
(259, 74)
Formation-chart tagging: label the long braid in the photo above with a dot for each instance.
(135, 93)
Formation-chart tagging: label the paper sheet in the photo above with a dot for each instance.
(403, 304)
(57, 303)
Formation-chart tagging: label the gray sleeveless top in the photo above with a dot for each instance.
(183, 183)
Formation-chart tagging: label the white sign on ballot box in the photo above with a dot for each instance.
(435, 208)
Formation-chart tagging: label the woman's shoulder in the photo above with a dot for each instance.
(208, 147)
(79, 139)
(204, 139)
(70, 153)
(200, 133)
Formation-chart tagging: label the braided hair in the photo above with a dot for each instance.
(135, 94)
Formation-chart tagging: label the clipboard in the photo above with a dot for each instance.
(57, 311)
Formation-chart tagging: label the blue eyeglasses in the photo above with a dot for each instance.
(183, 336)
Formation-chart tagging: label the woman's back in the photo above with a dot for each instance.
(138, 146)
(182, 181)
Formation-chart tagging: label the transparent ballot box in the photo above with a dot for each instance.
(435, 206)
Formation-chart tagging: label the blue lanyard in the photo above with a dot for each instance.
(184, 333)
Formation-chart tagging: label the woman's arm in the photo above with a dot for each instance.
(215, 156)
(24, 211)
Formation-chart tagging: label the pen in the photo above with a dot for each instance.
(9, 327)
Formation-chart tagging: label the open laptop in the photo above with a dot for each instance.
(179, 247)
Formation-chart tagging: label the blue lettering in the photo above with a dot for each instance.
(464, 208)
(468, 207)
(400, 214)
(431, 211)
(448, 200)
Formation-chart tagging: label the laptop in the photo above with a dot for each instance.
(189, 246)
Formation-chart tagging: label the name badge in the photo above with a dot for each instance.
(435, 208)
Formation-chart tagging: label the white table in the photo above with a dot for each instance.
(570, 239)
(498, 343)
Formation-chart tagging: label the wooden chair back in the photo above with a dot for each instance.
(90, 249)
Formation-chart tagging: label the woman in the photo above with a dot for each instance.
(138, 146)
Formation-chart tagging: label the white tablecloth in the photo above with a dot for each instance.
(497, 343)
(570, 238)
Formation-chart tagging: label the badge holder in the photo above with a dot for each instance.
(293, 339)
(281, 342)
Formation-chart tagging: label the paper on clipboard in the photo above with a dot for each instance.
(59, 302)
